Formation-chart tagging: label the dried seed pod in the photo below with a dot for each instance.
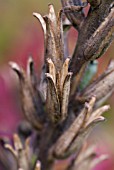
(74, 11)
(79, 130)
(86, 159)
(95, 38)
(65, 139)
(58, 89)
(30, 98)
(22, 155)
(102, 87)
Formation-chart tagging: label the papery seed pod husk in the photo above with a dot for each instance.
(52, 100)
(66, 138)
(30, 97)
(102, 87)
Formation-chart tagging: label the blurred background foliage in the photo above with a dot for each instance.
(21, 36)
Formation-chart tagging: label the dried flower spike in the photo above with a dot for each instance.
(61, 112)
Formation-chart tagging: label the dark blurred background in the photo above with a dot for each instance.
(20, 36)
